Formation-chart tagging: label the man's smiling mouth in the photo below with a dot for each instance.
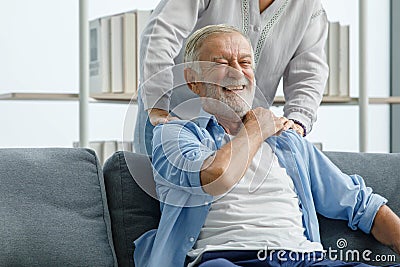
(234, 87)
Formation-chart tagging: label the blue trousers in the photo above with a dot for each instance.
(281, 258)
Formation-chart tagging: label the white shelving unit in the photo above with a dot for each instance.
(84, 98)
(128, 98)
(83, 74)
(363, 92)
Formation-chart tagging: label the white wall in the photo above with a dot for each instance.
(39, 53)
(337, 127)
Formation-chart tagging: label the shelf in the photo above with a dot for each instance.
(126, 98)
(335, 100)
(111, 98)
(39, 96)
(279, 100)
(385, 100)
(326, 100)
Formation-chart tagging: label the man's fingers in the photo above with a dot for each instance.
(162, 120)
(298, 129)
(172, 118)
(288, 125)
(280, 124)
(283, 123)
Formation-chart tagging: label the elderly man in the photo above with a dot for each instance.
(237, 184)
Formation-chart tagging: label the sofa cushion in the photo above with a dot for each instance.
(381, 173)
(53, 209)
(133, 210)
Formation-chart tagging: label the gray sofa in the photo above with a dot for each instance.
(57, 208)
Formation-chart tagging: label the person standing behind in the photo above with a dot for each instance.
(288, 38)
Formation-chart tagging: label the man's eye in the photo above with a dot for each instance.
(220, 64)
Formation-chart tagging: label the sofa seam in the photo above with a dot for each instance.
(121, 157)
(103, 199)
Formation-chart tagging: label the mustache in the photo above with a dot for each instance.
(229, 82)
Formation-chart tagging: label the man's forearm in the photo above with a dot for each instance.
(386, 228)
(229, 164)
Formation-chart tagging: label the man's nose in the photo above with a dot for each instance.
(235, 71)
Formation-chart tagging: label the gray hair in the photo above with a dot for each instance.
(196, 40)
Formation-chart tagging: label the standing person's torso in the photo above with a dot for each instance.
(275, 35)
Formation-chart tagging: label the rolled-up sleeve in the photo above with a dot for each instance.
(341, 196)
(179, 151)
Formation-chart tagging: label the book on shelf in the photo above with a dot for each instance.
(109, 148)
(337, 50)
(125, 146)
(105, 149)
(142, 17)
(97, 147)
(117, 75)
(333, 54)
(99, 66)
(115, 46)
(318, 145)
(344, 58)
(326, 90)
(129, 53)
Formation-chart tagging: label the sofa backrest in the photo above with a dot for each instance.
(53, 209)
(134, 212)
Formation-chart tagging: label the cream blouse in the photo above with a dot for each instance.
(288, 39)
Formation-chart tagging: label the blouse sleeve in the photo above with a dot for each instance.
(306, 74)
(162, 39)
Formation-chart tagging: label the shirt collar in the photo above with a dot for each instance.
(205, 118)
(208, 121)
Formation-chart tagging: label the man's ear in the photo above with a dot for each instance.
(191, 76)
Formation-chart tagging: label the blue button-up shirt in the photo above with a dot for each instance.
(179, 150)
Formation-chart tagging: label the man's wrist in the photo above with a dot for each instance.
(252, 131)
(301, 125)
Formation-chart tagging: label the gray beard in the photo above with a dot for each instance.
(229, 106)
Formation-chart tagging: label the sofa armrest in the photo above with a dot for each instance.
(53, 209)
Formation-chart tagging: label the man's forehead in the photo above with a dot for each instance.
(218, 42)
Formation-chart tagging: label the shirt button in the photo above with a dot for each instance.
(257, 28)
(191, 239)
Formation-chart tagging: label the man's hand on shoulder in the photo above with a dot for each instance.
(297, 127)
(290, 124)
(265, 121)
(158, 116)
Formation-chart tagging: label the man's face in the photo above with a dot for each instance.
(227, 76)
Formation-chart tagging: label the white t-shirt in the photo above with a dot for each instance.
(261, 212)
